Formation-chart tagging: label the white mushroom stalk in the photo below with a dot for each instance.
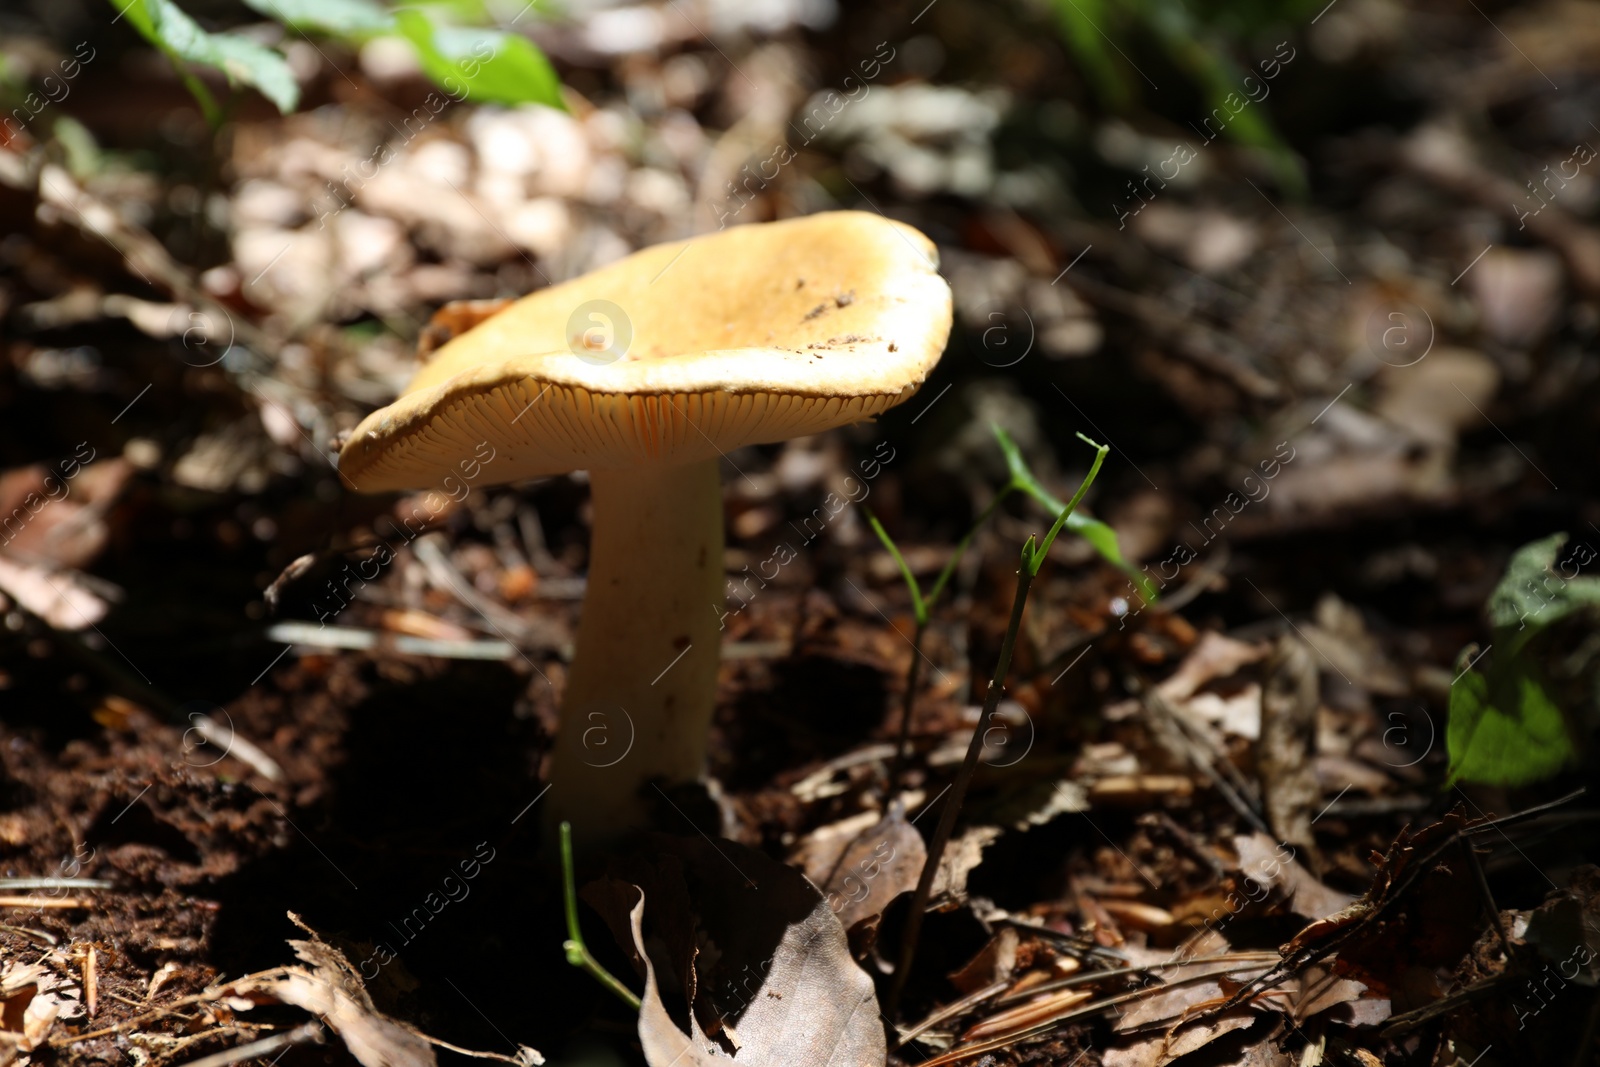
(750, 335)
(643, 685)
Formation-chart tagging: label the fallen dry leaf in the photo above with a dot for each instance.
(861, 869)
(331, 989)
(1321, 989)
(1214, 657)
(1239, 714)
(994, 962)
(56, 515)
(1272, 864)
(961, 856)
(32, 998)
(1194, 994)
(811, 1004)
(58, 597)
(1433, 401)
(1162, 1048)
(1518, 293)
(1284, 755)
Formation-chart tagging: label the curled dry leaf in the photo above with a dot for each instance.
(330, 988)
(860, 870)
(1340, 633)
(1162, 1048)
(33, 997)
(1266, 862)
(1214, 657)
(1038, 803)
(58, 597)
(770, 976)
(1322, 989)
(1135, 915)
(961, 856)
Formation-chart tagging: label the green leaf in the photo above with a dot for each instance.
(164, 24)
(1504, 729)
(481, 64)
(917, 603)
(1035, 559)
(1101, 537)
(351, 19)
(1082, 23)
(83, 153)
(470, 12)
(1534, 594)
(1100, 40)
(1198, 50)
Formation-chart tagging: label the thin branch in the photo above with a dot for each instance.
(1032, 558)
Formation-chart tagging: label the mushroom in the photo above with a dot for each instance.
(645, 373)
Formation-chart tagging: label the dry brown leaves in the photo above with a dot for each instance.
(744, 958)
(35, 999)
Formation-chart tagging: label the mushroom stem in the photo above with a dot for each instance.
(643, 682)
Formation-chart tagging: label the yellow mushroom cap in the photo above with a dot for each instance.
(674, 354)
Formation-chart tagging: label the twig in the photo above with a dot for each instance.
(1488, 897)
(346, 637)
(1200, 852)
(91, 982)
(950, 1011)
(225, 737)
(1410, 1020)
(7, 884)
(1210, 349)
(902, 743)
(475, 1053)
(1416, 868)
(577, 952)
(966, 1051)
(136, 1020)
(448, 579)
(1204, 756)
(29, 932)
(1209, 571)
(1522, 816)
(958, 792)
(1032, 559)
(64, 903)
(1091, 977)
(311, 1031)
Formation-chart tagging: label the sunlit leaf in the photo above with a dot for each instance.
(342, 18)
(481, 64)
(242, 60)
(1535, 593)
(1101, 537)
(1504, 729)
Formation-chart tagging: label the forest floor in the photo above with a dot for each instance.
(1334, 417)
